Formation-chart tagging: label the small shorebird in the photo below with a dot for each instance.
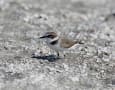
(57, 43)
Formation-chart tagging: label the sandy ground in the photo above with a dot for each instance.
(90, 66)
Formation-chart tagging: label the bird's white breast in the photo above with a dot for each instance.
(56, 47)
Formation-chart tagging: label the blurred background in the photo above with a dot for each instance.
(90, 66)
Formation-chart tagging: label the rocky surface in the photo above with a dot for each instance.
(90, 66)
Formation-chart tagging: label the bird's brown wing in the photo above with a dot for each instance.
(67, 43)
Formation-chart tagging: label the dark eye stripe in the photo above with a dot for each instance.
(51, 36)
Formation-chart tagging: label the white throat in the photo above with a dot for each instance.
(56, 38)
(48, 40)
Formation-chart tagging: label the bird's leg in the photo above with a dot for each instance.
(64, 55)
(60, 55)
(57, 53)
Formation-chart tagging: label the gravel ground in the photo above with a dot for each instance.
(90, 66)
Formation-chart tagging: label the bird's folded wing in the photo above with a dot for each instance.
(67, 43)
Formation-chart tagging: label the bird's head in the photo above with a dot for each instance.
(49, 36)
